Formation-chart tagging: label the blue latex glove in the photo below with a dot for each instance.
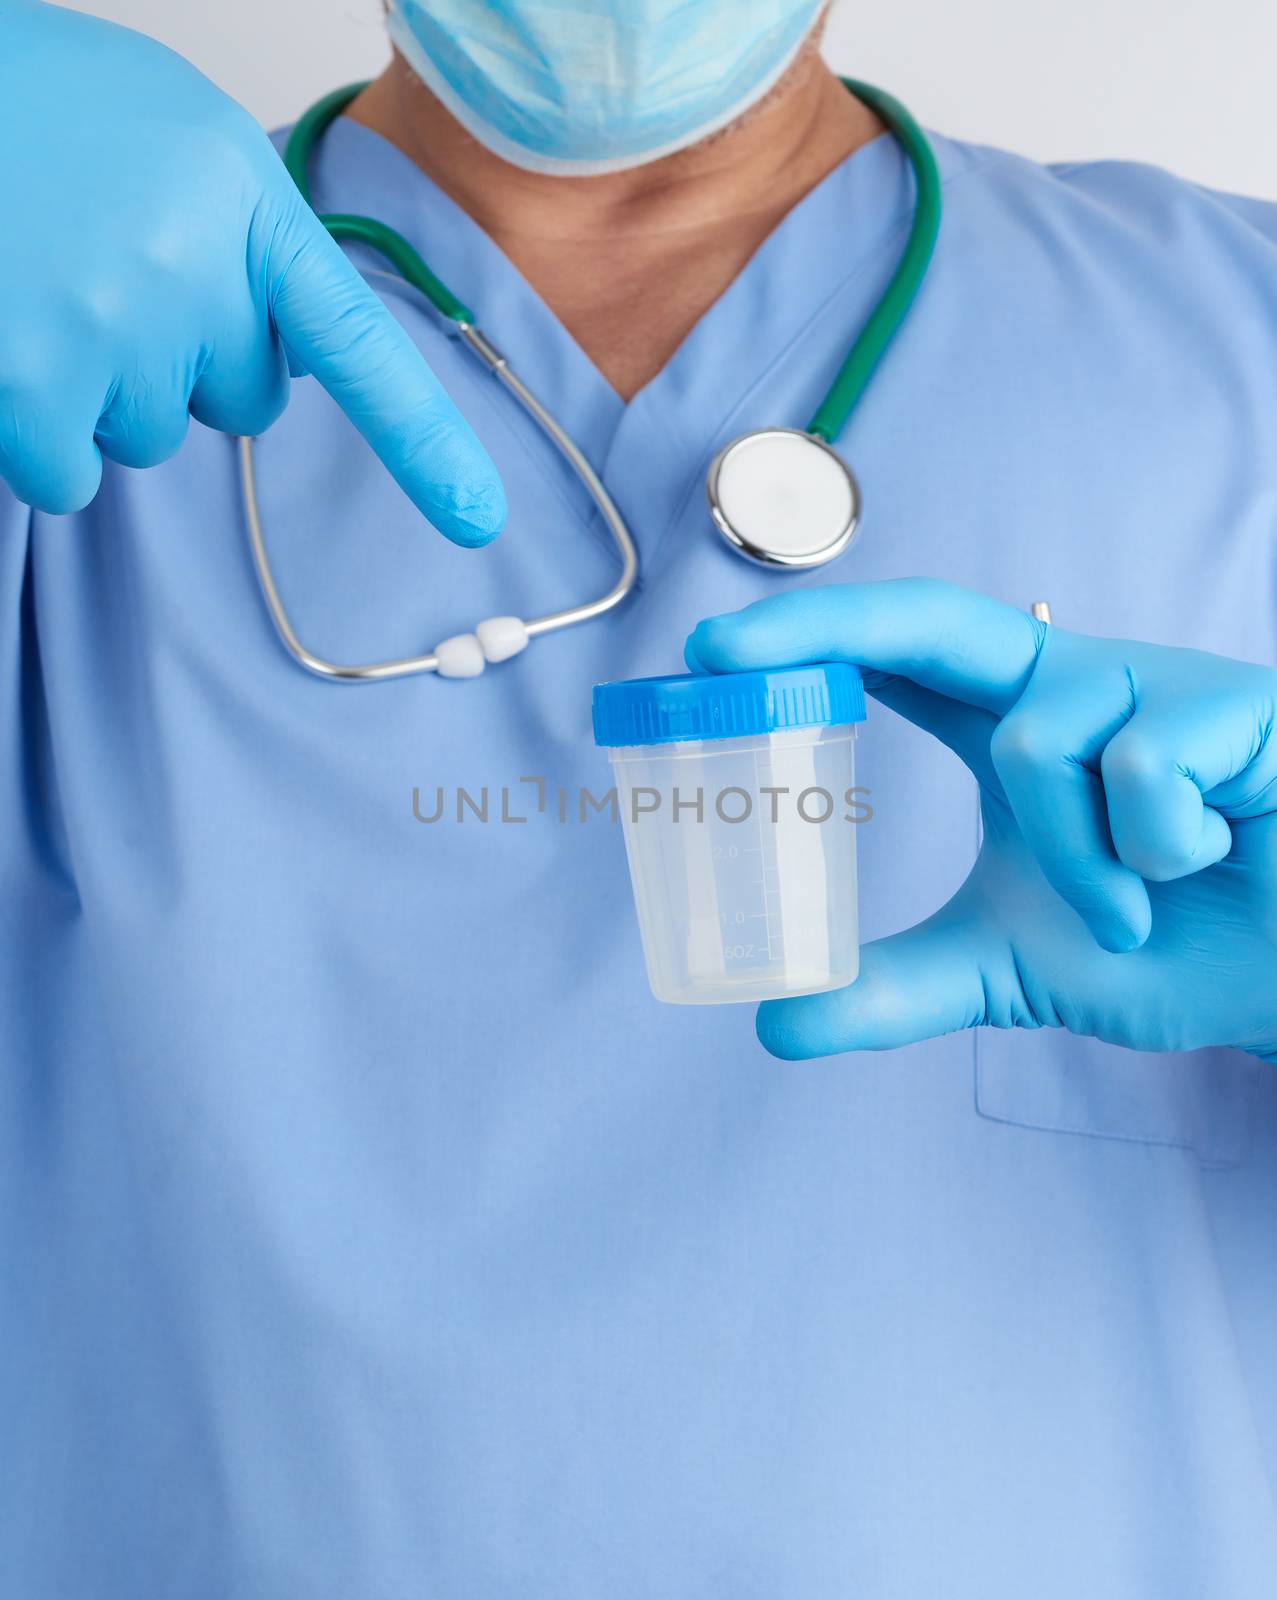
(1126, 886)
(155, 259)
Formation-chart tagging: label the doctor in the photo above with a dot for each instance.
(367, 1232)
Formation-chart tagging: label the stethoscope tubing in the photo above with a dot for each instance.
(464, 655)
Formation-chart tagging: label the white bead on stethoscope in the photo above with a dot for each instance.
(466, 654)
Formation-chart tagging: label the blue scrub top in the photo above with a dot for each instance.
(369, 1233)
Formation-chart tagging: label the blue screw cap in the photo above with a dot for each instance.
(727, 705)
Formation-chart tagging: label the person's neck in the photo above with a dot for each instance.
(630, 261)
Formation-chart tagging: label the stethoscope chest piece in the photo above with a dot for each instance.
(783, 498)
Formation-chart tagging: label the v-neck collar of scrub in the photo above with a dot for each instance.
(356, 169)
(688, 407)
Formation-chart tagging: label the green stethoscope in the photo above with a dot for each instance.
(782, 497)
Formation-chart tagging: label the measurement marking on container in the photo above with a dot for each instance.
(763, 771)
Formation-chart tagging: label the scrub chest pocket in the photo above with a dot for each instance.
(1199, 1100)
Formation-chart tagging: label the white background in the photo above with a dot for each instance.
(1184, 83)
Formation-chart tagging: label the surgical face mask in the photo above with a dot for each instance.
(589, 86)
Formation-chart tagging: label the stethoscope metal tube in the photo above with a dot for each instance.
(607, 508)
(466, 654)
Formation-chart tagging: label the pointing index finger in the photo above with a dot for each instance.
(948, 639)
(332, 324)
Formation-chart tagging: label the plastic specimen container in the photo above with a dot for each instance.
(737, 796)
